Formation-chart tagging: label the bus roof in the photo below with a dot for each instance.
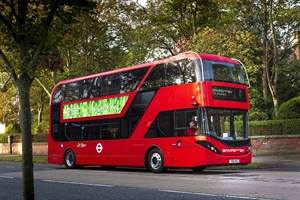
(190, 55)
(218, 58)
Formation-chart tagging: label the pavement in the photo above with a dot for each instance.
(279, 161)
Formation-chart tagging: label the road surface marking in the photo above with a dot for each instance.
(213, 195)
(6, 177)
(77, 183)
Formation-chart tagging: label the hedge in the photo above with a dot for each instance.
(275, 127)
(17, 137)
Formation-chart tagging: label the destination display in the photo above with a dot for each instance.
(226, 93)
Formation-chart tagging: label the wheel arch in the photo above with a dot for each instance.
(65, 152)
(147, 153)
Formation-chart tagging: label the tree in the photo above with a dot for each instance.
(275, 22)
(93, 43)
(38, 102)
(289, 83)
(163, 23)
(9, 105)
(24, 29)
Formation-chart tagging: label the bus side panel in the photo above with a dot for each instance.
(167, 98)
(55, 155)
(185, 153)
(177, 151)
(105, 152)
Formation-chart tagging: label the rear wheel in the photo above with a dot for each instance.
(70, 159)
(198, 169)
(156, 161)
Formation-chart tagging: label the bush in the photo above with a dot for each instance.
(40, 137)
(275, 127)
(289, 109)
(41, 128)
(3, 138)
(12, 129)
(258, 116)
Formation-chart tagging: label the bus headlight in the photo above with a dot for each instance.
(208, 145)
(248, 150)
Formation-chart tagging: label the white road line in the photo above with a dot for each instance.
(6, 177)
(77, 183)
(213, 195)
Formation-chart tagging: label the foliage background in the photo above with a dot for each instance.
(119, 33)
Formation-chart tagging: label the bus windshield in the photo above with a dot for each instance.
(226, 124)
(222, 72)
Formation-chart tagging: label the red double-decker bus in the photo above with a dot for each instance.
(187, 111)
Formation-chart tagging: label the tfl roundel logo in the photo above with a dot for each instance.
(99, 147)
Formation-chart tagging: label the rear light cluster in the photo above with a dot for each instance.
(209, 146)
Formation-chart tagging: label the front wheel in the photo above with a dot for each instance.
(70, 159)
(156, 161)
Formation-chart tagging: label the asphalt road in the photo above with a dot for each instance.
(56, 182)
(279, 179)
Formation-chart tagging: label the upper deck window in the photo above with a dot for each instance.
(222, 72)
(171, 73)
(117, 83)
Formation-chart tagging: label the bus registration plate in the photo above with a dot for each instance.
(232, 161)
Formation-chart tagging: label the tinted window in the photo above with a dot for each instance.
(227, 124)
(99, 86)
(155, 79)
(73, 91)
(131, 79)
(162, 126)
(182, 121)
(172, 73)
(174, 123)
(180, 72)
(223, 72)
(58, 95)
(110, 84)
(88, 88)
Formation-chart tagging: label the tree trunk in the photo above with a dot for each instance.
(23, 83)
(273, 80)
(265, 55)
(40, 110)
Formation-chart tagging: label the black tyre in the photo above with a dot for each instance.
(198, 169)
(70, 159)
(155, 161)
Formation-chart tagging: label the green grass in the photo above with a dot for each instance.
(18, 158)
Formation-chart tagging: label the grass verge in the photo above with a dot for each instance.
(18, 158)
